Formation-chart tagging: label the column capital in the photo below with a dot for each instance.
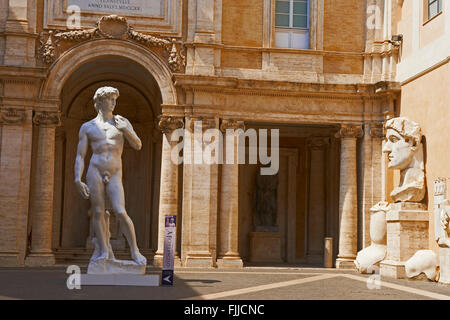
(232, 124)
(350, 131)
(47, 118)
(207, 123)
(12, 116)
(167, 124)
(318, 143)
(376, 130)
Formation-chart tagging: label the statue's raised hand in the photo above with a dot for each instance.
(121, 123)
(83, 189)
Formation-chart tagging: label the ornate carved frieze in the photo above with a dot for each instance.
(168, 124)
(111, 27)
(12, 116)
(349, 131)
(47, 119)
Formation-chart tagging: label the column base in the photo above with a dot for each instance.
(346, 263)
(40, 260)
(393, 269)
(199, 260)
(10, 260)
(158, 260)
(232, 262)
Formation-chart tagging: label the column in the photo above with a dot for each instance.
(168, 199)
(348, 205)
(317, 194)
(200, 206)
(228, 253)
(372, 191)
(41, 253)
(15, 168)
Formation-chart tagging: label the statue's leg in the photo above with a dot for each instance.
(97, 192)
(116, 195)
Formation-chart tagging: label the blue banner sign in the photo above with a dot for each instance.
(169, 250)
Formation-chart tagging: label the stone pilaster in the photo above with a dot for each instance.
(200, 184)
(168, 203)
(228, 221)
(348, 205)
(15, 168)
(317, 202)
(19, 34)
(372, 191)
(41, 253)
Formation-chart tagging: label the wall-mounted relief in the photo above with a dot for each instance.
(54, 43)
(157, 16)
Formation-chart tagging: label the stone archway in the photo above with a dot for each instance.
(145, 84)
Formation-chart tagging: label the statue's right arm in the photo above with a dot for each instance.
(79, 162)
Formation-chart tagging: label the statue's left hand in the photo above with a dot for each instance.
(121, 123)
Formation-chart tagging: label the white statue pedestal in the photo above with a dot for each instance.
(407, 232)
(444, 262)
(119, 280)
(115, 267)
(265, 247)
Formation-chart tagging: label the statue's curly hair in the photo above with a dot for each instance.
(104, 92)
(406, 128)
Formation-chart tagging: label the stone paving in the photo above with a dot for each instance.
(252, 283)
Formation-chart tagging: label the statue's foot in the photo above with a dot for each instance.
(368, 257)
(139, 258)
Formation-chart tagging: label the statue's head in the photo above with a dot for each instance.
(403, 140)
(105, 99)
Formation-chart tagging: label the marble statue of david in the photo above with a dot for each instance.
(105, 134)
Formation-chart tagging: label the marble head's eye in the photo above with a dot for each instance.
(393, 139)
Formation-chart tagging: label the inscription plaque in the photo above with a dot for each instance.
(124, 7)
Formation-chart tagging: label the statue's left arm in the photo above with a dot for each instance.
(125, 126)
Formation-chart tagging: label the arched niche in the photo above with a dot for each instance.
(140, 101)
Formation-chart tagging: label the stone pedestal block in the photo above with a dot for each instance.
(265, 247)
(115, 267)
(230, 262)
(40, 259)
(407, 232)
(444, 263)
(198, 260)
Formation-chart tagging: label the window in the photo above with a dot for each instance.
(292, 24)
(434, 8)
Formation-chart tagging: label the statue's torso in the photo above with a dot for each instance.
(106, 142)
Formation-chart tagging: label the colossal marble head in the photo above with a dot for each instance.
(105, 98)
(403, 140)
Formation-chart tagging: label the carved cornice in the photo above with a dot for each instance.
(47, 119)
(232, 124)
(12, 116)
(318, 143)
(350, 131)
(376, 130)
(111, 27)
(168, 124)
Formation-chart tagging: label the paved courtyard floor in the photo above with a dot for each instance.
(250, 283)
